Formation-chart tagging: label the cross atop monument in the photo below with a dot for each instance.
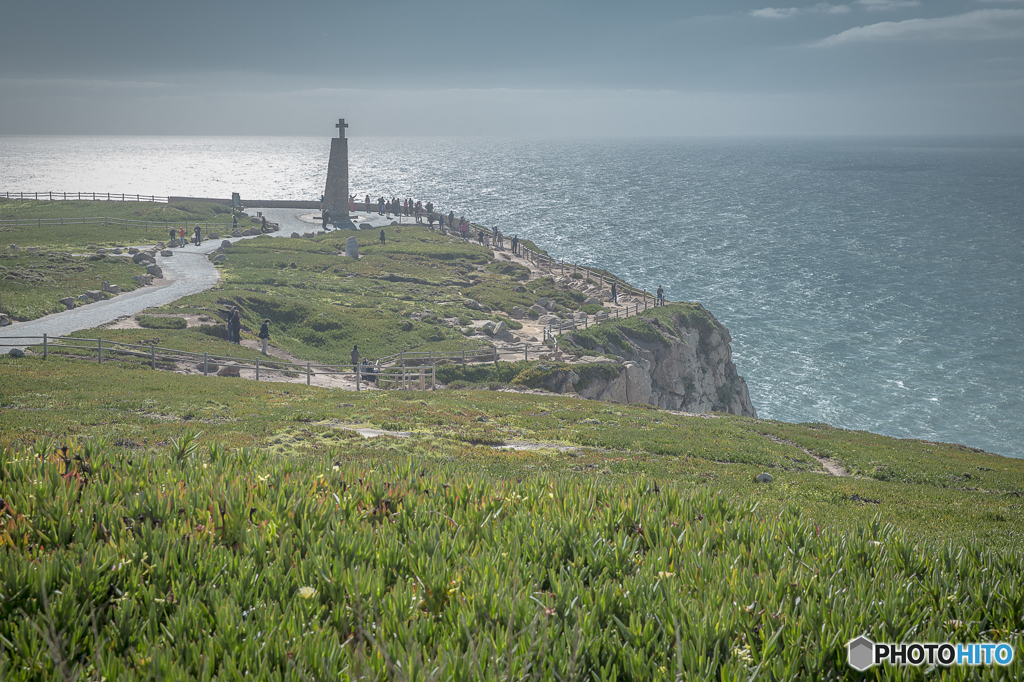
(341, 125)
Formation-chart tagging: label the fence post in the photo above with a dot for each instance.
(433, 377)
(206, 365)
(44, 346)
(152, 356)
(526, 351)
(423, 379)
(463, 357)
(307, 374)
(359, 378)
(99, 350)
(257, 369)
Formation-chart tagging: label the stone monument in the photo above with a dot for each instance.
(336, 192)
(352, 247)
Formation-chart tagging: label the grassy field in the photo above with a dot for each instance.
(404, 295)
(202, 528)
(32, 284)
(75, 235)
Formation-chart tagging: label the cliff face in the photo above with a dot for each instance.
(673, 361)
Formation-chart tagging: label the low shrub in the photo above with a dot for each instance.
(160, 322)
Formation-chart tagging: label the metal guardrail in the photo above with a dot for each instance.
(84, 196)
(396, 377)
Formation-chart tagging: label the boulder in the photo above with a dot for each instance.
(256, 219)
(219, 258)
(352, 247)
(499, 328)
(132, 250)
(549, 319)
(225, 244)
(763, 478)
(116, 252)
(144, 280)
(166, 253)
(84, 298)
(295, 235)
(471, 304)
(95, 295)
(210, 367)
(592, 301)
(4, 320)
(154, 269)
(517, 313)
(229, 371)
(159, 246)
(16, 353)
(140, 257)
(68, 301)
(543, 301)
(111, 288)
(213, 235)
(236, 233)
(14, 247)
(537, 309)
(362, 226)
(552, 306)
(393, 223)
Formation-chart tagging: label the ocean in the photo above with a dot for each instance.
(867, 283)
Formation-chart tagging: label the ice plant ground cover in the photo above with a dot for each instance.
(632, 545)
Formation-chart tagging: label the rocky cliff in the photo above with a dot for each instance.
(677, 357)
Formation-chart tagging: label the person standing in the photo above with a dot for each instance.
(660, 300)
(181, 234)
(615, 294)
(367, 206)
(355, 361)
(515, 244)
(199, 235)
(264, 334)
(263, 225)
(383, 239)
(235, 326)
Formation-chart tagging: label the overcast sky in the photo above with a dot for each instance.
(513, 67)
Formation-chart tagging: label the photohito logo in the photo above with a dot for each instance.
(862, 653)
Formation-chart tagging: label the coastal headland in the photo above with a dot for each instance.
(163, 523)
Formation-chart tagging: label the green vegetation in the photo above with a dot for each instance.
(32, 284)
(210, 528)
(609, 337)
(161, 322)
(72, 233)
(404, 295)
(199, 526)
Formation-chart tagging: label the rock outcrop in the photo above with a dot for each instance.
(672, 361)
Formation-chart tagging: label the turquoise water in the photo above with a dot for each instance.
(869, 284)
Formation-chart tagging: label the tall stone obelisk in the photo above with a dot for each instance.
(336, 193)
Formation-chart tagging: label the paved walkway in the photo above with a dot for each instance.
(189, 271)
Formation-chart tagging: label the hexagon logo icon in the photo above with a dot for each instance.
(860, 653)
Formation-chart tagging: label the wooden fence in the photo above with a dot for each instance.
(394, 377)
(83, 196)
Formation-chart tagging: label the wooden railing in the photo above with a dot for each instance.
(396, 377)
(83, 196)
